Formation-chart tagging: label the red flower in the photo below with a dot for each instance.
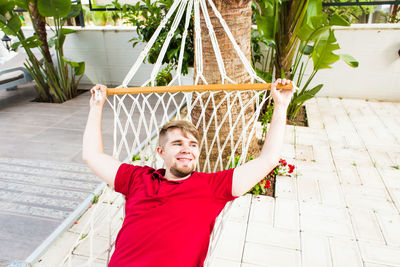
(268, 184)
(291, 168)
(283, 162)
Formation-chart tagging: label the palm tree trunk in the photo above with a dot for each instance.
(394, 13)
(237, 15)
(39, 24)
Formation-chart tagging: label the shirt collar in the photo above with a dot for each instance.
(159, 175)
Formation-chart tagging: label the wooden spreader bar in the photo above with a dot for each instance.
(196, 88)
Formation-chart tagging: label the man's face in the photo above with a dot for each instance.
(179, 152)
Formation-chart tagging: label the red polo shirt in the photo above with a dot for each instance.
(168, 223)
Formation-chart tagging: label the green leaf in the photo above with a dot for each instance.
(59, 40)
(75, 10)
(24, 4)
(266, 76)
(134, 44)
(80, 70)
(14, 23)
(308, 33)
(338, 20)
(31, 42)
(308, 50)
(307, 95)
(68, 31)
(6, 7)
(314, 8)
(349, 60)
(11, 26)
(322, 32)
(73, 64)
(54, 8)
(317, 21)
(79, 67)
(323, 56)
(305, 32)
(135, 157)
(267, 21)
(15, 46)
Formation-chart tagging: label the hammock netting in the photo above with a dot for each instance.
(226, 120)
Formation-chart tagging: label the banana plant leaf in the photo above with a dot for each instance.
(323, 56)
(30, 42)
(24, 4)
(338, 20)
(54, 8)
(79, 67)
(6, 6)
(349, 60)
(314, 9)
(267, 19)
(74, 11)
(10, 26)
(300, 99)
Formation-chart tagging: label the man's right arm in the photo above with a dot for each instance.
(103, 165)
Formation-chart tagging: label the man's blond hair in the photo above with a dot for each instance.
(185, 126)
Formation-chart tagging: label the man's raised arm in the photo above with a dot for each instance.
(103, 165)
(249, 174)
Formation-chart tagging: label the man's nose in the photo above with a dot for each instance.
(185, 149)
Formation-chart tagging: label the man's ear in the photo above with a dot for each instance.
(160, 151)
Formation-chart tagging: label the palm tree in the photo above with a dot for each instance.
(237, 14)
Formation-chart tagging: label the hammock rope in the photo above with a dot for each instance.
(139, 112)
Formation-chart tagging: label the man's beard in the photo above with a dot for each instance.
(180, 173)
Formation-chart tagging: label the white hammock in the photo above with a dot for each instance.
(139, 116)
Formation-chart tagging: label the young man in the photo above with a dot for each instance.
(170, 213)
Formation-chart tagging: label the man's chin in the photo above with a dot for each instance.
(181, 172)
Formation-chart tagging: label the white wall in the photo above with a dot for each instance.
(107, 53)
(109, 56)
(376, 48)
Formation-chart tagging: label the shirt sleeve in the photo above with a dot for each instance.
(125, 178)
(221, 184)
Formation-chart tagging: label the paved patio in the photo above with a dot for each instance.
(42, 178)
(341, 209)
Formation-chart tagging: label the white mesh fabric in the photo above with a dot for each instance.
(138, 118)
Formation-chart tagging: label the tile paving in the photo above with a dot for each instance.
(42, 179)
(341, 209)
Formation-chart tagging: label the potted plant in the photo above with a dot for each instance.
(55, 81)
(295, 34)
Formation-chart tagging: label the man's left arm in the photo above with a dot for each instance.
(250, 173)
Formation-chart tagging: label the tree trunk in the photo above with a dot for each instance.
(285, 45)
(39, 23)
(237, 15)
(394, 13)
